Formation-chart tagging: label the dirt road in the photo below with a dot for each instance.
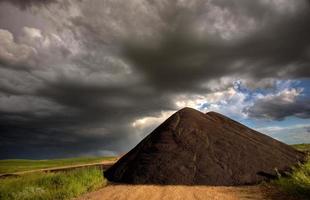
(150, 192)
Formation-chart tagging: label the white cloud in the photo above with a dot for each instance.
(288, 95)
(151, 121)
(235, 102)
(294, 134)
(32, 32)
(279, 105)
(274, 129)
(229, 102)
(11, 52)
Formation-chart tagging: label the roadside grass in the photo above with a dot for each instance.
(17, 165)
(297, 183)
(52, 186)
(302, 147)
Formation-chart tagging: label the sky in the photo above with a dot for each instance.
(93, 78)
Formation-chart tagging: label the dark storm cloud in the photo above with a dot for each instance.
(180, 60)
(130, 60)
(91, 118)
(25, 3)
(47, 142)
(74, 130)
(106, 103)
(278, 109)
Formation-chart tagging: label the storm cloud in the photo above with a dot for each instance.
(280, 106)
(23, 4)
(76, 77)
(181, 59)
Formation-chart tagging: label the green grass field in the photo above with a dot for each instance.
(51, 186)
(302, 147)
(10, 166)
(298, 182)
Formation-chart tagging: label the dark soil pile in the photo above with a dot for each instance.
(193, 148)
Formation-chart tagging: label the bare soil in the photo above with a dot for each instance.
(171, 192)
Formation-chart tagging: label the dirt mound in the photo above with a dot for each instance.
(193, 148)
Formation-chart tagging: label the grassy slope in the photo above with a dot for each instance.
(298, 182)
(51, 186)
(9, 166)
(302, 147)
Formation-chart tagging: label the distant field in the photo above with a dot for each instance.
(302, 147)
(10, 166)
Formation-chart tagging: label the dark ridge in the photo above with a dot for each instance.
(193, 148)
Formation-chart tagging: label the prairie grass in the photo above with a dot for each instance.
(51, 186)
(302, 147)
(16, 165)
(297, 183)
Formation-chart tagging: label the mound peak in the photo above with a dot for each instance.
(188, 112)
(192, 147)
